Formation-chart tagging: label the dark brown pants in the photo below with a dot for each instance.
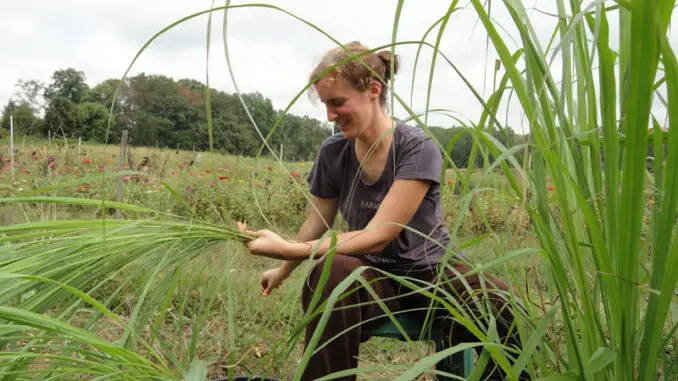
(341, 353)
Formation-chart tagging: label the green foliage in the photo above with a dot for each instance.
(67, 83)
(159, 111)
(25, 121)
(601, 308)
(62, 117)
(93, 118)
(462, 149)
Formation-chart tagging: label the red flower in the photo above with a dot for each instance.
(35, 158)
(126, 179)
(449, 182)
(174, 173)
(87, 161)
(223, 177)
(551, 188)
(295, 174)
(207, 171)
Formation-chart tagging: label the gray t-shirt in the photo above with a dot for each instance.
(413, 155)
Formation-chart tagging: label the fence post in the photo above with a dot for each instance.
(123, 150)
(11, 145)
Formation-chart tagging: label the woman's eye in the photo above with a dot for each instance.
(338, 103)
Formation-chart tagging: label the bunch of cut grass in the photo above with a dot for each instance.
(61, 279)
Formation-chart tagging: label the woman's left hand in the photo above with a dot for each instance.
(267, 243)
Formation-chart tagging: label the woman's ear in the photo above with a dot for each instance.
(375, 89)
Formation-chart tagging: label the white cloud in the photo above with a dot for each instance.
(271, 52)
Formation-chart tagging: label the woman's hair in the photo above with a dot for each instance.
(354, 72)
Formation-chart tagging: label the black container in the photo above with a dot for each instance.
(247, 378)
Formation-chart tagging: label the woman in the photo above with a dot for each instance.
(381, 177)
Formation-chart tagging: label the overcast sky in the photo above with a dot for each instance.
(270, 52)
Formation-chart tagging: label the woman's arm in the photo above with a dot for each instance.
(320, 219)
(397, 209)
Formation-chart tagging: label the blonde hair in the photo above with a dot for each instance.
(354, 71)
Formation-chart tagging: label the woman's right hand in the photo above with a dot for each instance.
(272, 279)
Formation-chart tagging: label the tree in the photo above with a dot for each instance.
(24, 120)
(122, 111)
(30, 92)
(67, 83)
(62, 117)
(63, 95)
(156, 109)
(93, 119)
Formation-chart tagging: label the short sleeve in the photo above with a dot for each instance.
(323, 180)
(419, 159)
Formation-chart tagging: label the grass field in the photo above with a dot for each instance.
(261, 192)
(585, 229)
(208, 305)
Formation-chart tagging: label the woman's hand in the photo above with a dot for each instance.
(267, 243)
(272, 279)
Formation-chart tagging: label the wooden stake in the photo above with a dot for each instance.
(121, 164)
(11, 145)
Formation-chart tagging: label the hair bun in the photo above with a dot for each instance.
(357, 72)
(386, 57)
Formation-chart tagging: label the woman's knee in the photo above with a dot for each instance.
(340, 268)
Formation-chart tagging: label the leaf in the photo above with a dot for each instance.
(197, 371)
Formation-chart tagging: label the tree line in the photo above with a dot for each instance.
(157, 111)
(160, 111)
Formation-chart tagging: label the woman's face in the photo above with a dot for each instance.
(352, 111)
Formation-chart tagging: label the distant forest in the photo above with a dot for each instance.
(160, 111)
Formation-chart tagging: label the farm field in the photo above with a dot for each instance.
(266, 194)
(261, 192)
(131, 266)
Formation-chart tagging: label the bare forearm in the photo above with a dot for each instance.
(359, 242)
(307, 232)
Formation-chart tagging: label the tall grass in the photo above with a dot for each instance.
(605, 314)
(590, 132)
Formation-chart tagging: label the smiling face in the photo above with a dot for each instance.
(351, 110)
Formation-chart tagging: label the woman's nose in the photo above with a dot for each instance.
(331, 116)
